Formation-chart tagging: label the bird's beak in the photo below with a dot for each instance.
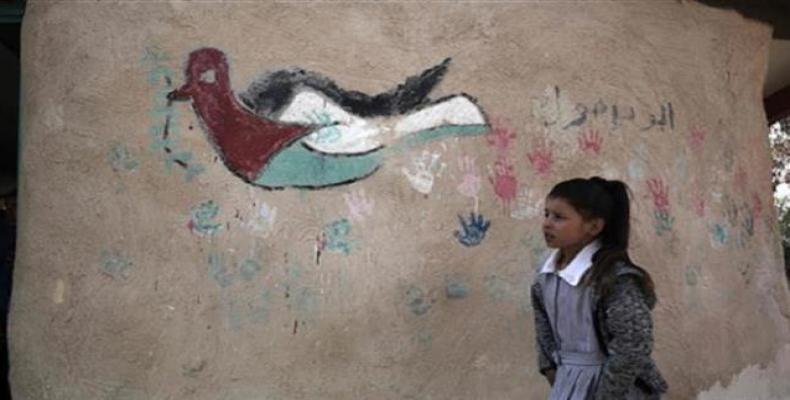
(182, 93)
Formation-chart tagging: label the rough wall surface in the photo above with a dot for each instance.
(323, 249)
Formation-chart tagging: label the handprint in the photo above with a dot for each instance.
(590, 142)
(418, 300)
(697, 138)
(359, 205)
(541, 159)
(663, 222)
(473, 231)
(264, 218)
(425, 167)
(202, 218)
(121, 159)
(335, 236)
(526, 206)
(470, 183)
(501, 137)
(504, 181)
(660, 193)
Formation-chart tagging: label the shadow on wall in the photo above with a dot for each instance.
(7, 246)
(11, 12)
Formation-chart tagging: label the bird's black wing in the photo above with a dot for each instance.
(271, 92)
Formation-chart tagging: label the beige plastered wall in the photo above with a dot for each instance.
(117, 295)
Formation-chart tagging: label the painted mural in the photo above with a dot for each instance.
(297, 128)
(333, 185)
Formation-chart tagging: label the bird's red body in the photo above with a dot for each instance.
(245, 141)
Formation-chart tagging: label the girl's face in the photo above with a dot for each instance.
(564, 228)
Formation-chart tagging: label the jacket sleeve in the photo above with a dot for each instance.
(543, 334)
(630, 330)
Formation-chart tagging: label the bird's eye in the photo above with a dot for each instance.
(209, 76)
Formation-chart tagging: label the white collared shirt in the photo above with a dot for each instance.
(574, 271)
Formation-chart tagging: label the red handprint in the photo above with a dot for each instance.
(660, 193)
(501, 137)
(590, 142)
(541, 159)
(504, 181)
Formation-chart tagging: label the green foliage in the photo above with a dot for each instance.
(783, 212)
(779, 137)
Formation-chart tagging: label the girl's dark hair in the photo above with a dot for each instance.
(606, 199)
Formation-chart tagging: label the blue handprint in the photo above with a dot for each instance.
(473, 231)
(202, 218)
(336, 234)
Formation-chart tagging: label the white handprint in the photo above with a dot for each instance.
(425, 167)
(264, 218)
(359, 205)
(526, 206)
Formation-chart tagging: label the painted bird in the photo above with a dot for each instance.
(245, 141)
(300, 129)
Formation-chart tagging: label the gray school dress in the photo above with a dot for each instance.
(579, 358)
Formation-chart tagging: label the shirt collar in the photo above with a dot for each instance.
(573, 272)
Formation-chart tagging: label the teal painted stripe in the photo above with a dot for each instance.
(298, 166)
(430, 135)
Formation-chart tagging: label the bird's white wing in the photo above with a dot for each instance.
(454, 111)
(341, 132)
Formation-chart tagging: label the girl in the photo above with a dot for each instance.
(592, 304)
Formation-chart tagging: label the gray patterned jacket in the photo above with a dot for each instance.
(625, 329)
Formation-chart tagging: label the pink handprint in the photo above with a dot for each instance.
(697, 138)
(505, 184)
(660, 193)
(359, 205)
(470, 183)
(590, 142)
(541, 159)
